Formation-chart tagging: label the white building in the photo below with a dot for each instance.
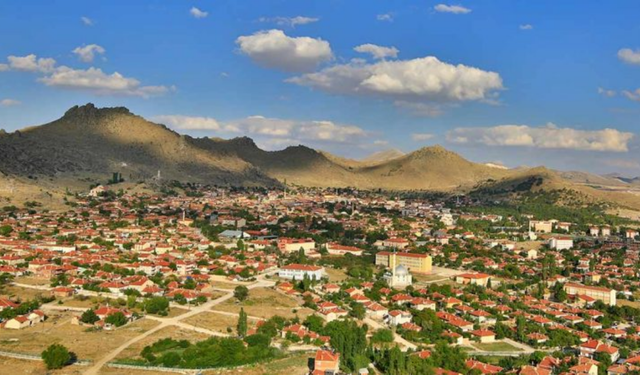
(399, 277)
(298, 271)
(561, 243)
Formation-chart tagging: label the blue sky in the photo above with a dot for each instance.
(514, 82)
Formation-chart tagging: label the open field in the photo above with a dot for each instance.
(335, 275)
(217, 322)
(497, 346)
(29, 367)
(24, 294)
(32, 280)
(294, 365)
(58, 329)
(265, 303)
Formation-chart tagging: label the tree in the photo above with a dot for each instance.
(156, 305)
(56, 356)
(242, 323)
(117, 319)
(314, 323)
(5, 230)
(382, 336)
(89, 317)
(241, 292)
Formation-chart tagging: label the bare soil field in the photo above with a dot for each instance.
(58, 329)
(265, 303)
(216, 322)
(335, 275)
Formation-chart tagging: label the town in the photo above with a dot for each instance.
(318, 281)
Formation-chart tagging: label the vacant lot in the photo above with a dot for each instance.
(27, 367)
(497, 346)
(32, 280)
(58, 329)
(216, 322)
(335, 275)
(265, 303)
(296, 364)
(24, 294)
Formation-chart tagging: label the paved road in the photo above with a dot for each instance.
(166, 322)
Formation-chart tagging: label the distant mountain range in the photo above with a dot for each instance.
(89, 144)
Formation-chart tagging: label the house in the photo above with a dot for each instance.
(398, 317)
(481, 279)
(325, 362)
(19, 322)
(589, 348)
(484, 335)
(299, 271)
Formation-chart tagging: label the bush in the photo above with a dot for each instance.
(56, 356)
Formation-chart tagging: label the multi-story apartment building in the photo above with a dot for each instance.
(420, 263)
(606, 295)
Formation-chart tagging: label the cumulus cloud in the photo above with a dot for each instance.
(606, 92)
(417, 80)
(86, 21)
(386, 17)
(92, 80)
(31, 63)
(378, 52)
(197, 13)
(188, 122)
(88, 53)
(418, 137)
(632, 95)
(548, 137)
(526, 27)
(100, 83)
(9, 102)
(629, 56)
(290, 21)
(274, 49)
(455, 9)
(275, 129)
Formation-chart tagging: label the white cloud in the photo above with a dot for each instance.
(632, 95)
(378, 52)
(606, 92)
(274, 49)
(548, 137)
(274, 129)
(86, 21)
(92, 79)
(87, 53)
(188, 122)
(290, 21)
(455, 9)
(421, 136)
(31, 63)
(197, 13)
(9, 102)
(526, 27)
(629, 56)
(380, 142)
(100, 83)
(4, 67)
(417, 80)
(387, 17)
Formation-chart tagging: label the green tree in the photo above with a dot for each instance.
(5, 230)
(117, 319)
(156, 305)
(89, 317)
(56, 356)
(241, 293)
(242, 323)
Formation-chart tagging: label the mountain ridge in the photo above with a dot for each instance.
(91, 142)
